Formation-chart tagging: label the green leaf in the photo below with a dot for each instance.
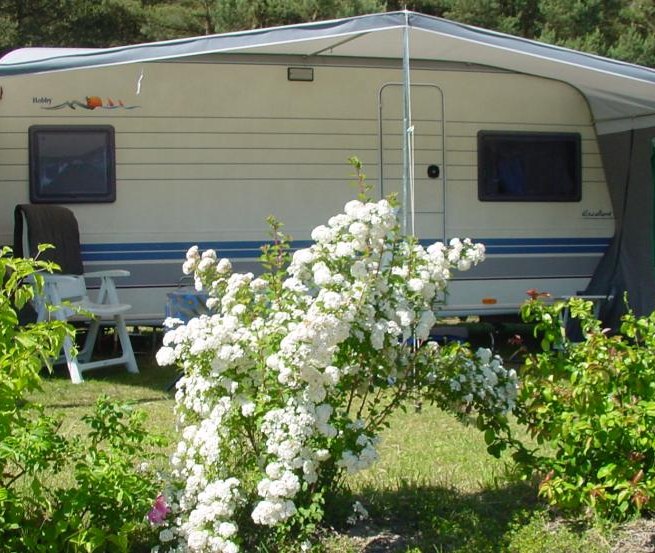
(606, 470)
(25, 340)
(496, 449)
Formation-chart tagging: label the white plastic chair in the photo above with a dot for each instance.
(65, 296)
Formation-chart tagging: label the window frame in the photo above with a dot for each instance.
(37, 194)
(572, 138)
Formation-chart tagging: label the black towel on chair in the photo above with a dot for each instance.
(49, 224)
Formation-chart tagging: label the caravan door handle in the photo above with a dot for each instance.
(433, 171)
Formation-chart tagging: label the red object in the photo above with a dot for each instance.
(536, 294)
(93, 102)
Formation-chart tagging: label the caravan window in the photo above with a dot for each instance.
(72, 163)
(529, 167)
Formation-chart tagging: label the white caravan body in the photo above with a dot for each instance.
(207, 147)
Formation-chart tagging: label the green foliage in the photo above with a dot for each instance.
(578, 24)
(72, 22)
(288, 384)
(103, 505)
(8, 32)
(541, 535)
(23, 349)
(167, 19)
(174, 19)
(106, 496)
(101, 23)
(593, 404)
(482, 13)
(233, 14)
(363, 187)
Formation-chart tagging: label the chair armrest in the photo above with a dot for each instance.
(114, 273)
(592, 297)
(59, 279)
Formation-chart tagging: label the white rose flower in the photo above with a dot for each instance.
(415, 284)
(464, 264)
(303, 257)
(193, 253)
(165, 356)
(258, 284)
(227, 529)
(344, 249)
(358, 230)
(353, 207)
(188, 266)
(322, 234)
(322, 275)
(223, 266)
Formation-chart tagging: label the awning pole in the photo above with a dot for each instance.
(406, 125)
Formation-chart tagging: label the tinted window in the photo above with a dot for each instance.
(72, 164)
(534, 167)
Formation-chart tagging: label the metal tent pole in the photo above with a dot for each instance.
(406, 126)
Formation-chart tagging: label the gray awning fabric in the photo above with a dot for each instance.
(621, 95)
(627, 266)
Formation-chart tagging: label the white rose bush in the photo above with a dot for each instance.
(286, 387)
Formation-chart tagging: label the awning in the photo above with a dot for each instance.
(621, 95)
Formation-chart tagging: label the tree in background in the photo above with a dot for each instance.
(168, 19)
(590, 26)
(70, 23)
(516, 17)
(614, 28)
(636, 42)
(620, 29)
(106, 22)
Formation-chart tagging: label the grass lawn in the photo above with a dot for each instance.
(435, 489)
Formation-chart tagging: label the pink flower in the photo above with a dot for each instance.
(159, 510)
(536, 294)
(516, 340)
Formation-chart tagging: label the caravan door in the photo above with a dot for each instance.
(429, 167)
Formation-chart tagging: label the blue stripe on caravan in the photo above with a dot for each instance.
(545, 245)
(541, 245)
(527, 242)
(151, 251)
(490, 249)
(184, 246)
(542, 241)
(164, 251)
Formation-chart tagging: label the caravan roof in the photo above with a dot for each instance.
(621, 95)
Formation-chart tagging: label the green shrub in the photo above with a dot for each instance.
(542, 535)
(289, 383)
(86, 492)
(592, 403)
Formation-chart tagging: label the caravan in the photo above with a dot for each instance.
(158, 147)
